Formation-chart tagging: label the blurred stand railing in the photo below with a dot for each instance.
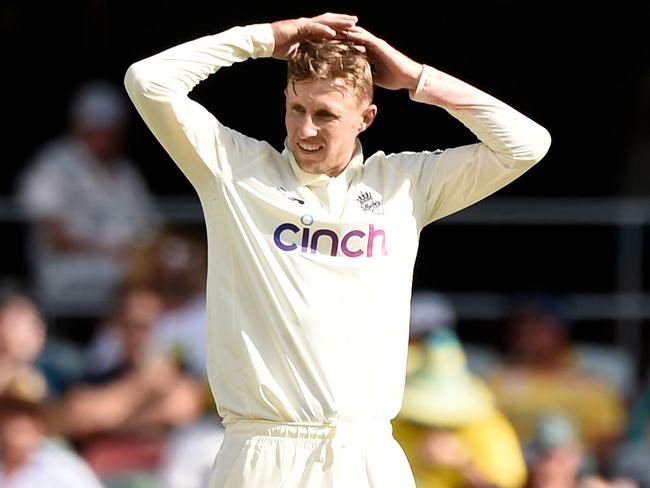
(627, 304)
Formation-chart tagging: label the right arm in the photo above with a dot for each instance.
(159, 86)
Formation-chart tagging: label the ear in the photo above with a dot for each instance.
(367, 117)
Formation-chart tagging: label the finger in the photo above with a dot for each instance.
(359, 35)
(337, 21)
(316, 29)
(333, 17)
(357, 32)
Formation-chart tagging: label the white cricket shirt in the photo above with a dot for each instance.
(309, 276)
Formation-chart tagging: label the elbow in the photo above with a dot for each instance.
(133, 80)
(144, 82)
(532, 151)
(542, 144)
(141, 81)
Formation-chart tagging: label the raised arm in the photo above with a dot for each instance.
(510, 142)
(159, 87)
(289, 33)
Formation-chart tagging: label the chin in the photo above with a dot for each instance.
(313, 168)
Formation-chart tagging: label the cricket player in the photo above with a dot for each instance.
(311, 249)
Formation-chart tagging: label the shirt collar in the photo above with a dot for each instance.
(309, 179)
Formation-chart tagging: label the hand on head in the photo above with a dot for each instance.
(393, 70)
(290, 33)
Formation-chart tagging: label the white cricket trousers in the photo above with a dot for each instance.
(261, 454)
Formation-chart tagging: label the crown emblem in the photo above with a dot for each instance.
(364, 198)
(368, 203)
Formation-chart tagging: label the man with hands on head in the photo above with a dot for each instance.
(311, 250)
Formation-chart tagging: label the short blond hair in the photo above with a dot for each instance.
(328, 59)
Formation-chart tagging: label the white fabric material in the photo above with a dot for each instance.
(306, 271)
(53, 466)
(309, 276)
(258, 453)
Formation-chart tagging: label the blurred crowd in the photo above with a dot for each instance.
(542, 411)
(129, 405)
(102, 350)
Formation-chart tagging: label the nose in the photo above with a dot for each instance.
(307, 128)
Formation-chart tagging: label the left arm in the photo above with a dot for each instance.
(510, 142)
(499, 126)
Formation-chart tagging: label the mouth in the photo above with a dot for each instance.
(309, 148)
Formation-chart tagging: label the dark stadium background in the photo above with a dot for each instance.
(580, 70)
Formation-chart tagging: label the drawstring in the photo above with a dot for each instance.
(326, 452)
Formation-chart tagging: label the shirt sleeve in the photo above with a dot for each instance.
(450, 180)
(159, 88)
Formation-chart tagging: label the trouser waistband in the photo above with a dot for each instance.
(339, 430)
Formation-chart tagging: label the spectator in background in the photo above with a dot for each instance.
(541, 378)
(32, 365)
(556, 456)
(144, 389)
(178, 271)
(190, 453)
(22, 336)
(89, 205)
(432, 311)
(121, 417)
(28, 459)
(174, 264)
(429, 311)
(632, 457)
(449, 427)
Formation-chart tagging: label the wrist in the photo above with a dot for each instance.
(412, 76)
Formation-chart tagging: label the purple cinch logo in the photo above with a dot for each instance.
(352, 244)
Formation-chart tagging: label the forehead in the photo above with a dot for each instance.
(336, 91)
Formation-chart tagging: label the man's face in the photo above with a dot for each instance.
(139, 314)
(22, 331)
(105, 144)
(323, 119)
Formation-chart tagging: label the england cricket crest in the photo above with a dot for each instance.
(369, 203)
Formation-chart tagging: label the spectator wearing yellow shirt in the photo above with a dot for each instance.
(542, 378)
(449, 427)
